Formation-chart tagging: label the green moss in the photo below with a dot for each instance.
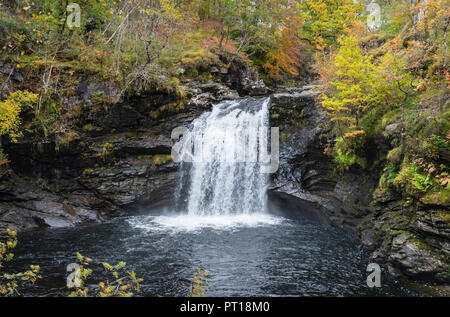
(395, 156)
(444, 215)
(418, 242)
(437, 198)
(145, 157)
(158, 159)
(382, 190)
(385, 228)
(65, 139)
(90, 128)
(161, 159)
(392, 116)
(88, 171)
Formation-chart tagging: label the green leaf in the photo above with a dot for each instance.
(107, 266)
(120, 265)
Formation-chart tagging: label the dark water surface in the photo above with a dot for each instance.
(247, 256)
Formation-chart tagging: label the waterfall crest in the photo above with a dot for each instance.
(225, 149)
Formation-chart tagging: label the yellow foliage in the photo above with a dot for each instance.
(328, 19)
(10, 111)
(353, 83)
(354, 134)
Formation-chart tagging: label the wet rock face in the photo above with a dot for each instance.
(26, 204)
(132, 181)
(204, 95)
(241, 77)
(88, 89)
(413, 260)
(107, 176)
(397, 237)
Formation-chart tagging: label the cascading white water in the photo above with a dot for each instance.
(227, 148)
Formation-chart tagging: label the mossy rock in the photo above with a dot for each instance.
(395, 156)
(443, 215)
(437, 198)
(158, 159)
(91, 128)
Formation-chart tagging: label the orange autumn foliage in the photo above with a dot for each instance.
(286, 58)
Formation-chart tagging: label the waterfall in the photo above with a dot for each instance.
(223, 152)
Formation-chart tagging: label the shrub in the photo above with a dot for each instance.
(152, 78)
(10, 110)
(65, 139)
(199, 283)
(412, 180)
(348, 149)
(118, 287)
(345, 159)
(9, 282)
(121, 286)
(197, 58)
(433, 146)
(371, 122)
(395, 156)
(391, 171)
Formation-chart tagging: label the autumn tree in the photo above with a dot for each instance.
(10, 110)
(289, 54)
(395, 84)
(326, 20)
(352, 88)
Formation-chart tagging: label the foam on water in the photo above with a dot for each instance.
(190, 223)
